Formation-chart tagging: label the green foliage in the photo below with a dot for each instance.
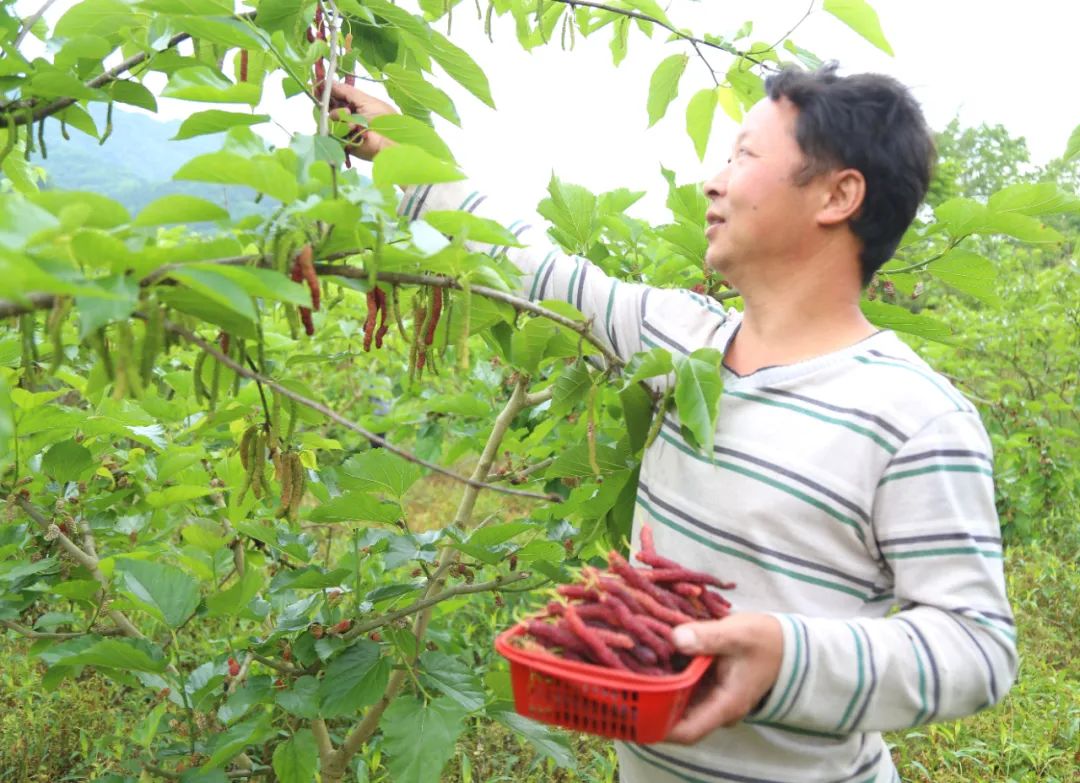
(196, 509)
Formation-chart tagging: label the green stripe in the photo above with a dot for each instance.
(705, 301)
(539, 276)
(814, 414)
(922, 682)
(1009, 633)
(937, 469)
(573, 277)
(610, 305)
(664, 767)
(467, 199)
(750, 558)
(918, 372)
(859, 683)
(882, 597)
(794, 730)
(955, 550)
(412, 198)
(794, 670)
(832, 512)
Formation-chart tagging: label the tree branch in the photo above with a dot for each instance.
(674, 30)
(22, 630)
(239, 369)
(30, 21)
(331, 69)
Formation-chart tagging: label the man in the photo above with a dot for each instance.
(850, 493)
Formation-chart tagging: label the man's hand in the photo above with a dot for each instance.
(748, 650)
(364, 143)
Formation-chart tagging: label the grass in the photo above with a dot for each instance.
(77, 731)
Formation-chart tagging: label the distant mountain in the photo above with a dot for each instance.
(136, 163)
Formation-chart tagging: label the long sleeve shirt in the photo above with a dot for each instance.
(851, 495)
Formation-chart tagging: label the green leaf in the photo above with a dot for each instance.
(573, 460)
(540, 339)
(144, 734)
(699, 118)
(698, 386)
(217, 287)
(453, 677)
(647, 364)
(1072, 147)
(458, 223)
(118, 299)
(204, 84)
(409, 130)
(66, 460)
(460, 66)
(206, 7)
(377, 470)
(296, 760)
(968, 272)
(262, 173)
(356, 507)
(20, 220)
(862, 18)
(354, 679)
(649, 8)
(415, 88)
(133, 94)
(265, 283)
(302, 699)
(180, 208)
(103, 18)
(408, 725)
(279, 15)
(234, 600)
(7, 421)
(664, 85)
(570, 388)
(889, 316)
(403, 164)
(572, 209)
(963, 216)
(130, 654)
(549, 743)
(98, 211)
(164, 590)
(1038, 198)
(225, 745)
(216, 121)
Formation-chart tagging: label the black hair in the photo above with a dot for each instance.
(871, 123)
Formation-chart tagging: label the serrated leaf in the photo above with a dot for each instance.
(664, 85)
(204, 84)
(453, 677)
(409, 130)
(180, 208)
(889, 316)
(118, 299)
(968, 272)
(408, 725)
(862, 18)
(404, 164)
(301, 699)
(264, 283)
(698, 386)
(356, 507)
(216, 121)
(572, 208)
(570, 388)
(234, 599)
(218, 288)
(164, 590)
(354, 679)
(130, 654)
(377, 470)
(225, 745)
(699, 118)
(296, 760)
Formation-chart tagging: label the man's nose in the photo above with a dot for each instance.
(717, 185)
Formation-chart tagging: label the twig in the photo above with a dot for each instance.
(674, 31)
(22, 630)
(337, 417)
(284, 668)
(331, 70)
(451, 592)
(30, 21)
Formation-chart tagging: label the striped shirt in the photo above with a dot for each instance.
(851, 495)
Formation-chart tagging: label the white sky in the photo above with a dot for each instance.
(572, 112)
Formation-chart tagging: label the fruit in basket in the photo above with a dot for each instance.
(621, 618)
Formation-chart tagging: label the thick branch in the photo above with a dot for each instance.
(241, 370)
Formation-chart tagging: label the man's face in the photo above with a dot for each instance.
(757, 214)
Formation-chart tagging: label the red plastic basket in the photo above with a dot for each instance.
(593, 699)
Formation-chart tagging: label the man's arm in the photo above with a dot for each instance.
(950, 650)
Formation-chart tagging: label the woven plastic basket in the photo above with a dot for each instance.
(596, 700)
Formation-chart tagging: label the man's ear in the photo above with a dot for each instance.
(843, 196)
